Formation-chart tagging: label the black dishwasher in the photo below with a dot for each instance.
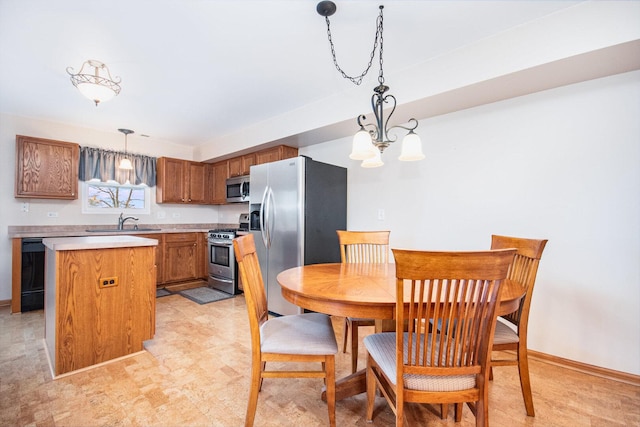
(32, 287)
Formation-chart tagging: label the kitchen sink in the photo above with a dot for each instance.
(126, 230)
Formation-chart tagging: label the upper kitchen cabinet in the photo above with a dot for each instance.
(181, 181)
(239, 166)
(276, 153)
(218, 174)
(46, 169)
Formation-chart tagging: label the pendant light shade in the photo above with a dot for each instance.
(125, 164)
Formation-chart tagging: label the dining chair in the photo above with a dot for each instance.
(305, 337)
(459, 290)
(523, 270)
(360, 247)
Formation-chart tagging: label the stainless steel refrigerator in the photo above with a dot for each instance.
(296, 207)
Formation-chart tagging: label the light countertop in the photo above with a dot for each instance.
(81, 230)
(96, 242)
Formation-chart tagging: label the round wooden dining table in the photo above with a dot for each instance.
(360, 290)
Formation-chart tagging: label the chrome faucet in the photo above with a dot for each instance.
(122, 220)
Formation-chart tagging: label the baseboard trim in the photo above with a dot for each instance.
(5, 303)
(610, 374)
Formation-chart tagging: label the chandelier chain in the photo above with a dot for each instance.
(358, 79)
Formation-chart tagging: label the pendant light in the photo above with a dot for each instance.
(125, 163)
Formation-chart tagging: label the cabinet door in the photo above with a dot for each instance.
(171, 180)
(235, 167)
(197, 180)
(274, 154)
(219, 174)
(180, 257)
(248, 160)
(46, 169)
(159, 252)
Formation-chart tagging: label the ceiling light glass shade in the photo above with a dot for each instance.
(411, 148)
(375, 161)
(95, 82)
(361, 148)
(95, 92)
(125, 164)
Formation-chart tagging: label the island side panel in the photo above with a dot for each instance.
(98, 323)
(50, 306)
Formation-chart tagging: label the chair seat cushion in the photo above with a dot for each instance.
(309, 333)
(382, 348)
(504, 334)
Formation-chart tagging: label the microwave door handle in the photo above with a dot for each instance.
(244, 189)
(263, 218)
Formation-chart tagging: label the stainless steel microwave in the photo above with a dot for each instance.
(238, 189)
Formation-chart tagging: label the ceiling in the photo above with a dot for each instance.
(193, 70)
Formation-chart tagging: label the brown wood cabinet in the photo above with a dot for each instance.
(100, 304)
(239, 166)
(276, 153)
(181, 181)
(182, 257)
(46, 169)
(218, 174)
(159, 254)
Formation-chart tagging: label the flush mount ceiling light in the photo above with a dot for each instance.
(96, 82)
(372, 139)
(125, 163)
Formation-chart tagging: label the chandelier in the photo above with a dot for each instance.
(125, 163)
(373, 138)
(96, 83)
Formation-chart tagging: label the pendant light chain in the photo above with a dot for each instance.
(358, 79)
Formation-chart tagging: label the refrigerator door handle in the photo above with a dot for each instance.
(263, 219)
(271, 222)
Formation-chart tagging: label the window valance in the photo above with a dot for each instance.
(103, 165)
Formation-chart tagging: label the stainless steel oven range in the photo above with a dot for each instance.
(223, 269)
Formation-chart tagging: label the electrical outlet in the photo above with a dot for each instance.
(25, 207)
(107, 282)
(176, 215)
(52, 214)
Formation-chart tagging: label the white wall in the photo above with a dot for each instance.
(562, 165)
(70, 212)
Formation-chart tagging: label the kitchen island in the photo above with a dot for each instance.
(99, 299)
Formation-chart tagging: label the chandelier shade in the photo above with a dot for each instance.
(411, 148)
(95, 82)
(361, 149)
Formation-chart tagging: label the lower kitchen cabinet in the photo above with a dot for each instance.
(159, 252)
(182, 257)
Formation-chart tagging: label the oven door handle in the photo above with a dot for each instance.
(220, 279)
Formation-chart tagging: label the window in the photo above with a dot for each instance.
(111, 197)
